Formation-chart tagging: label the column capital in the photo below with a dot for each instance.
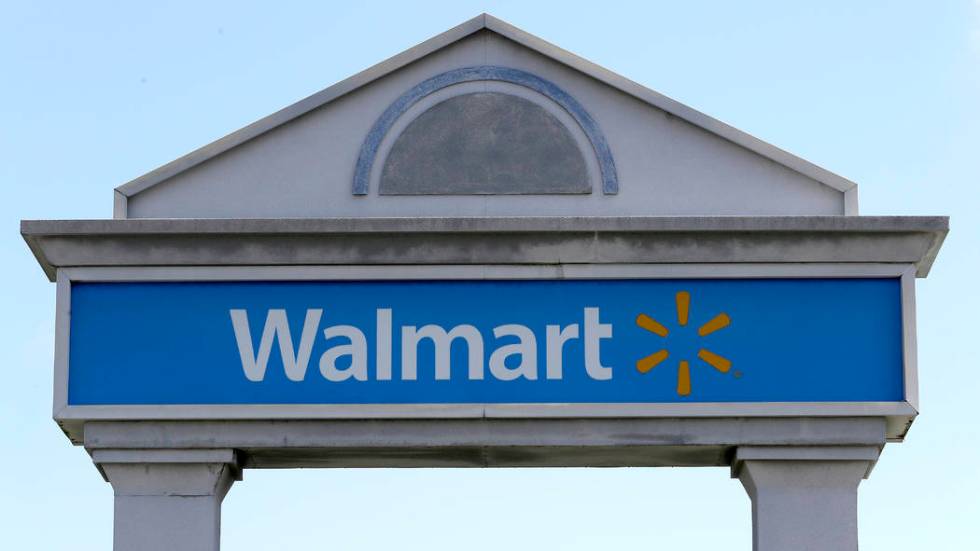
(867, 454)
(168, 498)
(187, 472)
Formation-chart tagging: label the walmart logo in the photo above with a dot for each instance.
(716, 323)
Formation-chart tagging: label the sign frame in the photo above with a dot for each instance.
(72, 417)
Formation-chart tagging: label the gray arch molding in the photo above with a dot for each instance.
(369, 149)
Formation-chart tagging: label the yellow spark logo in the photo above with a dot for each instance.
(683, 370)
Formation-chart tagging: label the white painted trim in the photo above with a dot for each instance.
(62, 340)
(525, 39)
(482, 271)
(483, 411)
(909, 343)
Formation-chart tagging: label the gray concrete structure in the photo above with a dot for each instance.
(804, 498)
(670, 159)
(276, 201)
(168, 499)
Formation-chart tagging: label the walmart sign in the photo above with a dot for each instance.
(443, 342)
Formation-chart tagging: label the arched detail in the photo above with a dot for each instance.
(369, 149)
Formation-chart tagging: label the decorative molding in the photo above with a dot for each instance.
(369, 149)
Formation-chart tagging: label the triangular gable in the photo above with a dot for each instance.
(146, 188)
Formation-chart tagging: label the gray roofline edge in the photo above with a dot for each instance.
(907, 229)
(478, 23)
(457, 224)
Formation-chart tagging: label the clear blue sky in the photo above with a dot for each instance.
(887, 94)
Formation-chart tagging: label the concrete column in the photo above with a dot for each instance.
(168, 499)
(804, 498)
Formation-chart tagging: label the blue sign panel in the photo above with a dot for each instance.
(464, 342)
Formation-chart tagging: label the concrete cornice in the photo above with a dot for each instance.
(488, 224)
(505, 240)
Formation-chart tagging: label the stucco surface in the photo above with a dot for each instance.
(665, 165)
(484, 143)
